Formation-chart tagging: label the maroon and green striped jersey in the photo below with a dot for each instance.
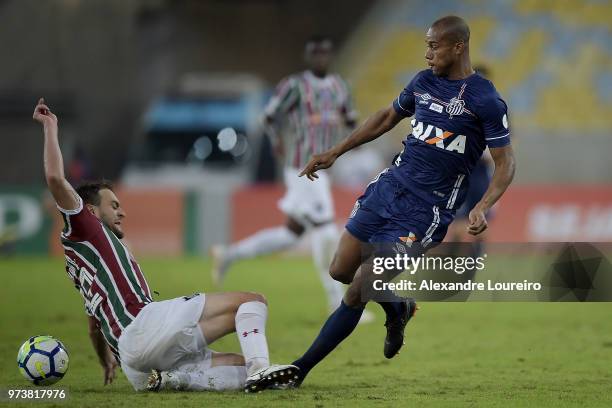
(310, 114)
(104, 272)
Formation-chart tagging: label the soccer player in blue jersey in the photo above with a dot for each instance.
(456, 115)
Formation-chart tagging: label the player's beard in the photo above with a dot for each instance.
(116, 230)
(441, 67)
(439, 71)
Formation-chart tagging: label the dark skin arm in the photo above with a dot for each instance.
(376, 125)
(105, 356)
(505, 165)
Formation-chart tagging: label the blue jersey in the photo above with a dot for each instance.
(454, 121)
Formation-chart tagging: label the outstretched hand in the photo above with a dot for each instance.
(43, 115)
(319, 162)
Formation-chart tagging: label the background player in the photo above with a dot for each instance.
(126, 325)
(308, 114)
(457, 114)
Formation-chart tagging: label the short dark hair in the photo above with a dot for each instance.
(89, 190)
(454, 27)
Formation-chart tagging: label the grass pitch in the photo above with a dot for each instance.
(457, 354)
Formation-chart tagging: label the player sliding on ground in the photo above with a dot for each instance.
(159, 344)
(457, 113)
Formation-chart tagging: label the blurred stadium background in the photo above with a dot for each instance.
(143, 87)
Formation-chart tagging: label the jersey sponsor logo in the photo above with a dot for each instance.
(505, 121)
(435, 107)
(437, 137)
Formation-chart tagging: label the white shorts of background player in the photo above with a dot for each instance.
(307, 201)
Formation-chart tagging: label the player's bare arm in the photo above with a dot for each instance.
(272, 129)
(105, 356)
(376, 125)
(62, 191)
(503, 157)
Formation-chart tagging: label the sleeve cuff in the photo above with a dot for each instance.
(400, 109)
(498, 141)
(72, 212)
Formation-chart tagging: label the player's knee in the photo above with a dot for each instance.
(352, 297)
(295, 227)
(338, 273)
(253, 297)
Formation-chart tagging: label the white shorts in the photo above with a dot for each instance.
(305, 200)
(164, 335)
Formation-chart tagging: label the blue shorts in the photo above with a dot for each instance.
(388, 212)
(479, 182)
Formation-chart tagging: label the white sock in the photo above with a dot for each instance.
(262, 242)
(251, 331)
(195, 377)
(324, 242)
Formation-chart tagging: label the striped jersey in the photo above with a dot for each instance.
(104, 272)
(311, 114)
(454, 121)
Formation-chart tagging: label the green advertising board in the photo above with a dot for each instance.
(25, 222)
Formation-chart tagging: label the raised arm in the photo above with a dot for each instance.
(377, 124)
(62, 191)
(503, 157)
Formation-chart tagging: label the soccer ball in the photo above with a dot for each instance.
(42, 360)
